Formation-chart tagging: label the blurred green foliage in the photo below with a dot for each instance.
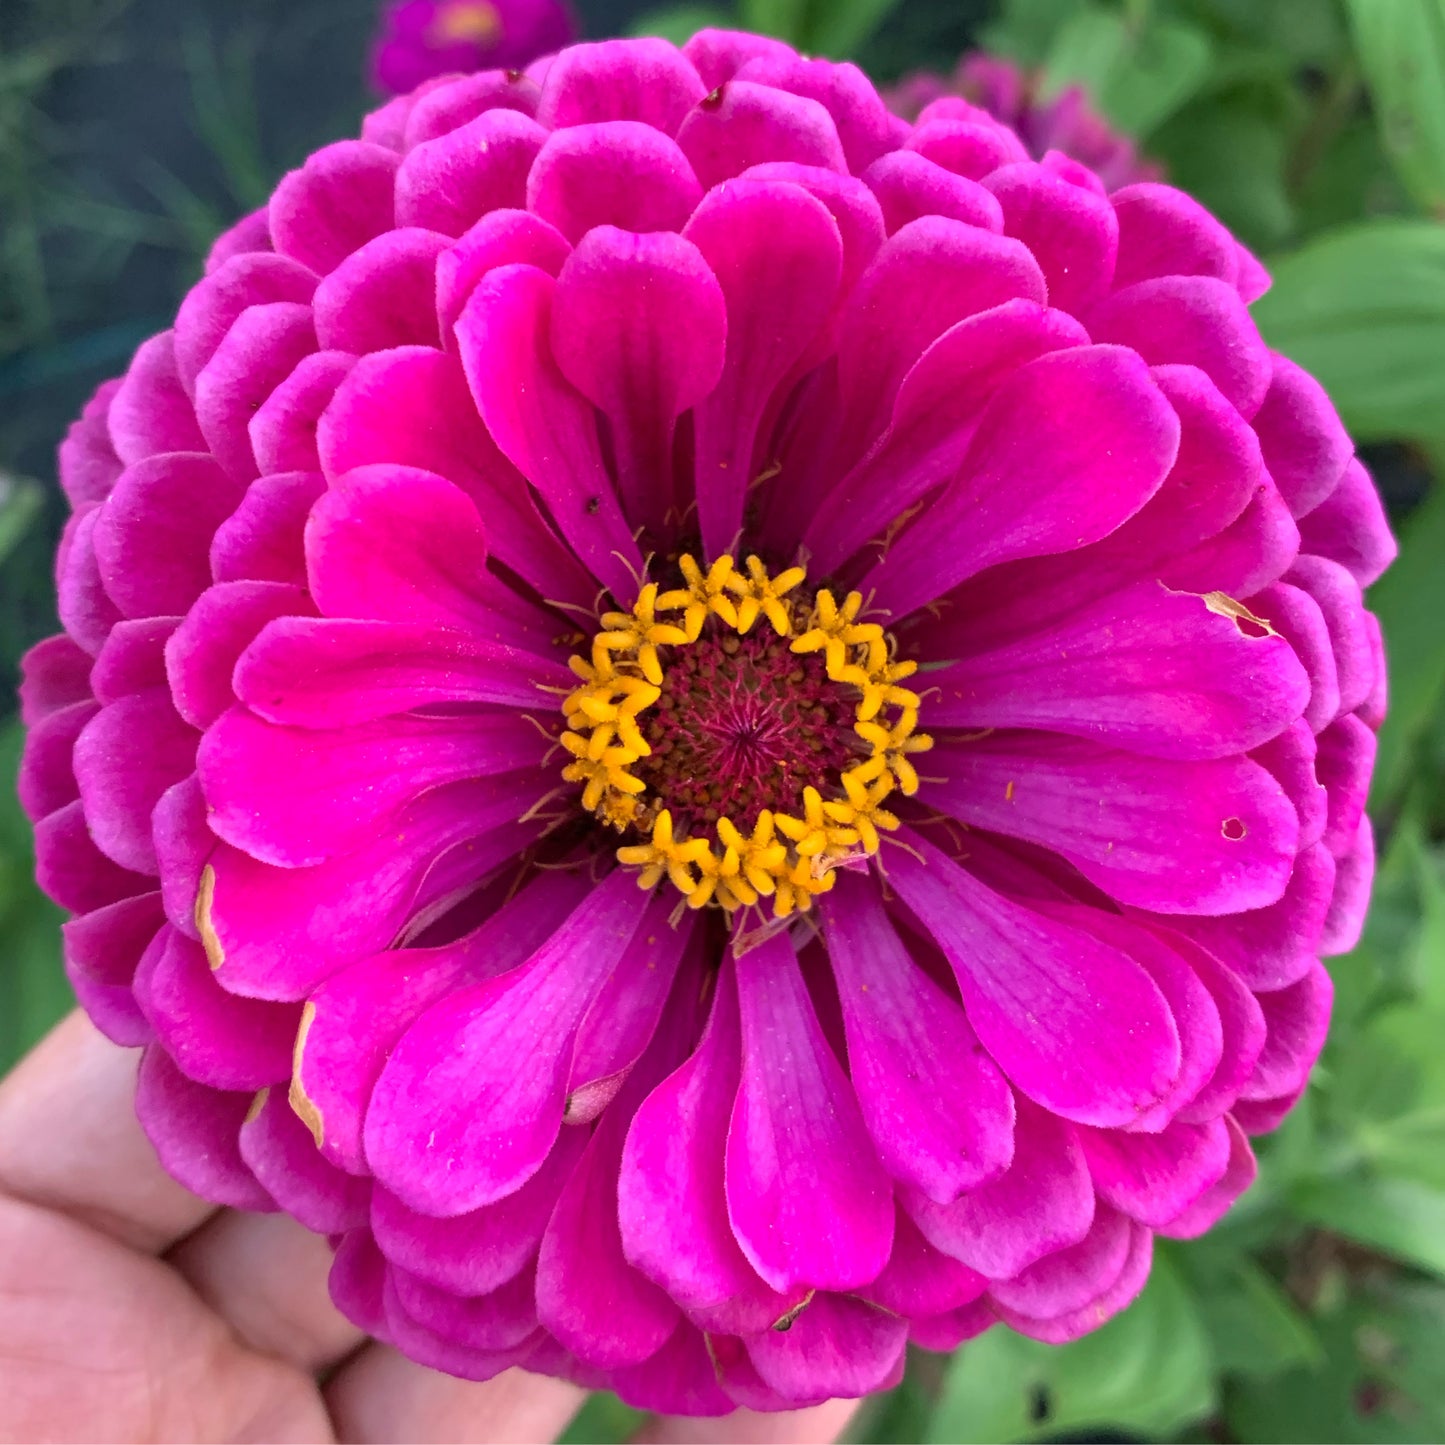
(1316, 129)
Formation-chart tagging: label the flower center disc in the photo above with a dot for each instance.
(745, 732)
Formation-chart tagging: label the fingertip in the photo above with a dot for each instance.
(816, 1425)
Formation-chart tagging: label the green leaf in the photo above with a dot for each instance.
(1363, 309)
(1025, 29)
(1401, 45)
(1396, 1216)
(21, 502)
(1410, 601)
(840, 27)
(1149, 1371)
(602, 1420)
(1254, 1328)
(787, 19)
(680, 23)
(1138, 75)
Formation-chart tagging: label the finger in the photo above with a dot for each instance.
(383, 1396)
(100, 1343)
(817, 1425)
(265, 1275)
(69, 1140)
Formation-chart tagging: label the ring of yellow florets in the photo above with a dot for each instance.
(791, 852)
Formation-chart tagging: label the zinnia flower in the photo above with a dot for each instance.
(421, 39)
(718, 731)
(1067, 123)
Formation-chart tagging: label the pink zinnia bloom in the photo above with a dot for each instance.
(1067, 123)
(420, 39)
(900, 557)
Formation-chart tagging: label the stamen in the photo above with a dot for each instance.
(682, 708)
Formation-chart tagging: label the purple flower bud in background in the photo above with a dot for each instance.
(1067, 123)
(717, 730)
(420, 39)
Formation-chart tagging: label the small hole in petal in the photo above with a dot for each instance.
(1234, 829)
(712, 100)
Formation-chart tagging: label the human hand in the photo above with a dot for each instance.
(131, 1310)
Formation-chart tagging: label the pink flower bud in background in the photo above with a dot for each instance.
(420, 39)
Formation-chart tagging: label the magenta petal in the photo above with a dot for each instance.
(201, 654)
(499, 1320)
(1214, 1203)
(120, 787)
(1306, 447)
(471, 1100)
(283, 429)
(1195, 320)
(500, 238)
(438, 1348)
(809, 1202)
(54, 674)
(934, 417)
(938, 1110)
(357, 1282)
(297, 796)
(1060, 1329)
(1345, 920)
(1203, 837)
(644, 80)
(1298, 617)
(183, 842)
(382, 295)
(257, 355)
(442, 433)
(909, 186)
(1292, 758)
(1338, 596)
(280, 931)
(1154, 1177)
(73, 871)
(1296, 1019)
(672, 1207)
(971, 149)
(102, 950)
(154, 532)
(1068, 1279)
(280, 1152)
(718, 55)
(919, 1279)
(86, 612)
(621, 1022)
(357, 1015)
(1042, 1203)
(88, 463)
(742, 124)
(251, 233)
(838, 1347)
(331, 672)
(210, 1035)
(443, 108)
(211, 309)
(925, 278)
(1248, 555)
(133, 658)
(400, 545)
(151, 413)
(1071, 230)
(678, 1380)
(1164, 232)
(777, 254)
(615, 173)
(541, 423)
(47, 779)
(449, 183)
(1102, 439)
(1111, 1049)
(639, 326)
(588, 1295)
(335, 203)
(475, 1253)
(1145, 669)
(1350, 527)
(195, 1131)
(261, 539)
